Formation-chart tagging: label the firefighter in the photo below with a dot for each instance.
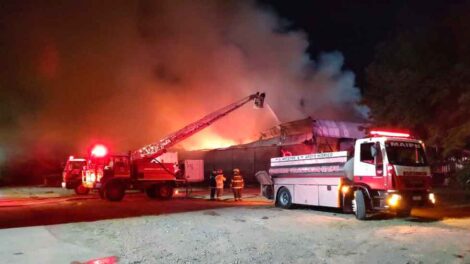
(219, 179)
(237, 184)
(212, 183)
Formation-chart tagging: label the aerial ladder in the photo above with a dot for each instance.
(112, 175)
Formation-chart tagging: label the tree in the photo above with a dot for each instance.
(420, 79)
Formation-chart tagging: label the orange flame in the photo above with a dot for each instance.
(208, 140)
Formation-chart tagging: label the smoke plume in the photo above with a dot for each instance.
(127, 73)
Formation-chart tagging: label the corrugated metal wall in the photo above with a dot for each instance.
(248, 160)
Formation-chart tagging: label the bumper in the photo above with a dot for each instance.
(71, 184)
(404, 200)
(92, 185)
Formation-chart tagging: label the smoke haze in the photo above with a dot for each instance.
(127, 73)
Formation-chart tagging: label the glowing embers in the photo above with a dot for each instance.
(384, 133)
(99, 151)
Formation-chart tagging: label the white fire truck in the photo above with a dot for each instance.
(388, 172)
(146, 169)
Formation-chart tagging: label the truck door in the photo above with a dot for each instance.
(380, 166)
(121, 167)
(369, 169)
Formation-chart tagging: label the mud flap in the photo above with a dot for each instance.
(266, 184)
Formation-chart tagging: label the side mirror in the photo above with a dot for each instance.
(373, 151)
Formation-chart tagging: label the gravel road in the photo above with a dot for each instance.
(255, 235)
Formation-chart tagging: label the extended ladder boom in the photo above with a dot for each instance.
(156, 149)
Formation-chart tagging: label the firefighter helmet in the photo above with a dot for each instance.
(236, 171)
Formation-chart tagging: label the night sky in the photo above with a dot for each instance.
(355, 28)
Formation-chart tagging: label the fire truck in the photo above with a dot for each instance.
(72, 175)
(147, 168)
(386, 172)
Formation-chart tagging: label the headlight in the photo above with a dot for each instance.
(432, 198)
(394, 199)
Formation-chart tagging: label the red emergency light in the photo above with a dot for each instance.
(383, 133)
(99, 151)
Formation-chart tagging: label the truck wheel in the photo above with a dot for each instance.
(81, 190)
(403, 212)
(114, 191)
(151, 192)
(165, 192)
(359, 205)
(284, 199)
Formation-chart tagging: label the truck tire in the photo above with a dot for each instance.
(81, 190)
(114, 191)
(403, 213)
(284, 198)
(359, 205)
(151, 192)
(165, 191)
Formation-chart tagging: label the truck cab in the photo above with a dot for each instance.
(72, 175)
(392, 173)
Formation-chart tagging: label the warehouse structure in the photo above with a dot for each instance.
(292, 138)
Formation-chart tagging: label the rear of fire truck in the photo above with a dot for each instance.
(112, 175)
(72, 175)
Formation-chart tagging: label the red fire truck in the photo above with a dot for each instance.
(386, 172)
(72, 175)
(146, 169)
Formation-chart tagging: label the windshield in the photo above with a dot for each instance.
(76, 165)
(405, 153)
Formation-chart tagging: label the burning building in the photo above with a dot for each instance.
(291, 138)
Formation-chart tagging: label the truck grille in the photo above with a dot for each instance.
(413, 183)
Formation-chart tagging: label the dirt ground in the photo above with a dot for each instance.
(249, 232)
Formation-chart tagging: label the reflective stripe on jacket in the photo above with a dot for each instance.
(237, 182)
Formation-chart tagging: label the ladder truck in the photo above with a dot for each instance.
(387, 172)
(147, 168)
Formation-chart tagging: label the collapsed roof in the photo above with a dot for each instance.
(301, 131)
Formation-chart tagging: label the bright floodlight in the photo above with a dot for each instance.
(99, 151)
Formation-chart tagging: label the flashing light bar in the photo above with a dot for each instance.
(99, 151)
(389, 134)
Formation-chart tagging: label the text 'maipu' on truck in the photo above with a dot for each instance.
(150, 168)
(72, 175)
(388, 172)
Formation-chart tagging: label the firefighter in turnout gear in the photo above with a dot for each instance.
(237, 185)
(212, 183)
(219, 180)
